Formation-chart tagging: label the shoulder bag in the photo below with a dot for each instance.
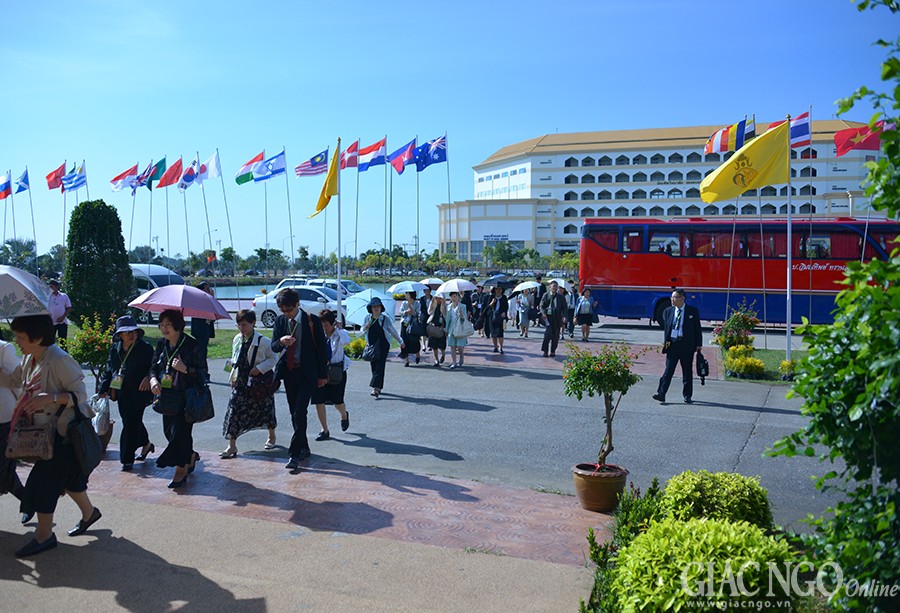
(264, 384)
(30, 442)
(169, 402)
(417, 326)
(198, 404)
(84, 440)
(464, 328)
(335, 373)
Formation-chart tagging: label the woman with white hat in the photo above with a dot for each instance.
(126, 380)
(379, 329)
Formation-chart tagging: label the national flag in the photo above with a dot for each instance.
(750, 130)
(729, 138)
(75, 179)
(403, 156)
(245, 172)
(275, 165)
(373, 155)
(158, 170)
(315, 165)
(763, 161)
(210, 169)
(864, 137)
(330, 187)
(189, 176)
(801, 131)
(350, 156)
(142, 178)
(171, 176)
(22, 182)
(432, 152)
(5, 186)
(125, 179)
(54, 179)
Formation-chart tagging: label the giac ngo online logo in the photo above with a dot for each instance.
(703, 579)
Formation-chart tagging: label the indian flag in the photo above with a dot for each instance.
(245, 174)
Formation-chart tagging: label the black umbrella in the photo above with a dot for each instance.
(504, 281)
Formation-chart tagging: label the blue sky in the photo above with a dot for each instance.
(118, 83)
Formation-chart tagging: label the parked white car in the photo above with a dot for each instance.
(312, 300)
(350, 287)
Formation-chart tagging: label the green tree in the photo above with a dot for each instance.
(54, 260)
(19, 252)
(142, 254)
(98, 278)
(302, 257)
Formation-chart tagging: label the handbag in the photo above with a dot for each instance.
(28, 441)
(262, 385)
(169, 402)
(100, 406)
(595, 319)
(435, 331)
(198, 404)
(335, 373)
(417, 327)
(370, 353)
(702, 368)
(84, 440)
(465, 329)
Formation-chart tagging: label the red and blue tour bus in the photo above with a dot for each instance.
(631, 264)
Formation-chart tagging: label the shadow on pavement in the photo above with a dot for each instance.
(141, 580)
(390, 447)
(492, 371)
(448, 403)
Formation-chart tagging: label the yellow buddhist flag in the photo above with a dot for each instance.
(331, 183)
(763, 161)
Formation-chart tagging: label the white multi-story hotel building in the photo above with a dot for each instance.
(537, 193)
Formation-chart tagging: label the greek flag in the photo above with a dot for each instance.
(75, 179)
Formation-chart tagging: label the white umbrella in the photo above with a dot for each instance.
(21, 293)
(454, 285)
(407, 286)
(357, 303)
(526, 285)
(563, 284)
(432, 281)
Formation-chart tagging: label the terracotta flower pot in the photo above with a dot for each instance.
(599, 490)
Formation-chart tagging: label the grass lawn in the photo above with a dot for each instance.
(772, 359)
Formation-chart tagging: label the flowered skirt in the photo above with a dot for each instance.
(246, 413)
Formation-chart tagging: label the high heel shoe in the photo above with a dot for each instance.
(194, 463)
(150, 449)
(176, 484)
(228, 454)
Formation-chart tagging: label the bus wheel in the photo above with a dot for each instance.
(661, 307)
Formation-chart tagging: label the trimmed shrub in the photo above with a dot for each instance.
(635, 512)
(665, 568)
(739, 351)
(745, 367)
(725, 496)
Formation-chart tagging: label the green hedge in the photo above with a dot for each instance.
(727, 496)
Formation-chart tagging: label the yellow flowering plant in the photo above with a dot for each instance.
(606, 372)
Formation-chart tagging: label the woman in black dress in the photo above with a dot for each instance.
(409, 315)
(126, 380)
(496, 314)
(379, 329)
(178, 364)
(437, 315)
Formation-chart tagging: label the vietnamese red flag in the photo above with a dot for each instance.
(54, 179)
(350, 156)
(864, 137)
(171, 176)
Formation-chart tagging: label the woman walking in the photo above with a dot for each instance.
(456, 315)
(379, 329)
(409, 316)
(248, 408)
(584, 312)
(178, 364)
(333, 393)
(9, 480)
(526, 302)
(437, 316)
(126, 380)
(53, 386)
(496, 314)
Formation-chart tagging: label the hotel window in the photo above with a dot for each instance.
(793, 172)
(640, 177)
(604, 178)
(604, 195)
(639, 211)
(806, 208)
(621, 212)
(638, 194)
(673, 211)
(588, 195)
(693, 193)
(588, 178)
(622, 177)
(712, 157)
(588, 161)
(570, 229)
(675, 193)
(710, 210)
(657, 194)
(750, 193)
(808, 171)
(622, 195)
(694, 176)
(570, 212)
(571, 162)
(769, 209)
(604, 161)
(727, 155)
(728, 209)
(783, 209)
(622, 160)
(513, 173)
(749, 209)
(784, 192)
(808, 153)
(708, 172)
(657, 176)
(694, 157)
(676, 176)
(522, 171)
(658, 159)
(497, 176)
(604, 212)
(807, 190)
(639, 159)
(657, 211)
(768, 191)
(504, 174)
(570, 196)
(587, 212)
(571, 179)
(481, 179)
(676, 158)
(692, 210)
(793, 157)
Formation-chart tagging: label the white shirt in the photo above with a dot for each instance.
(57, 307)
(677, 329)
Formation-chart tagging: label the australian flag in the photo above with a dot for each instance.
(432, 152)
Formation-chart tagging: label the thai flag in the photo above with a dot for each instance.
(801, 133)
(403, 156)
(373, 155)
(5, 186)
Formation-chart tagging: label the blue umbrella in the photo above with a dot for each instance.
(407, 286)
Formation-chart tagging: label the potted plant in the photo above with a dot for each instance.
(606, 372)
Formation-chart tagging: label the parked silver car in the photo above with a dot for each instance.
(312, 300)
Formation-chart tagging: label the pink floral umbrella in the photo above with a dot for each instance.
(191, 301)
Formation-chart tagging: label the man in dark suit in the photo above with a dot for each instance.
(304, 366)
(539, 292)
(553, 313)
(683, 338)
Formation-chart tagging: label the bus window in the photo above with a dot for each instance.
(633, 241)
(606, 238)
(885, 240)
(819, 246)
(715, 244)
(665, 242)
(843, 245)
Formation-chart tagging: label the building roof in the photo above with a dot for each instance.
(654, 138)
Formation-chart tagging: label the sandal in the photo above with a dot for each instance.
(269, 445)
(228, 454)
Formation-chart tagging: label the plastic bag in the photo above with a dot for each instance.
(100, 407)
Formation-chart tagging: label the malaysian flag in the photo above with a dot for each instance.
(315, 165)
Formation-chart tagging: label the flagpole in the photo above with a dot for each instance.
(187, 236)
(790, 246)
(12, 205)
(227, 216)
(385, 194)
(449, 201)
(809, 236)
(150, 224)
(287, 190)
(37, 270)
(87, 189)
(390, 215)
(356, 220)
(266, 219)
(8, 174)
(340, 288)
(131, 228)
(417, 206)
(168, 242)
(762, 256)
(63, 190)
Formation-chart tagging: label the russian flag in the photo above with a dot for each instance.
(5, 186)
(373, 155)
